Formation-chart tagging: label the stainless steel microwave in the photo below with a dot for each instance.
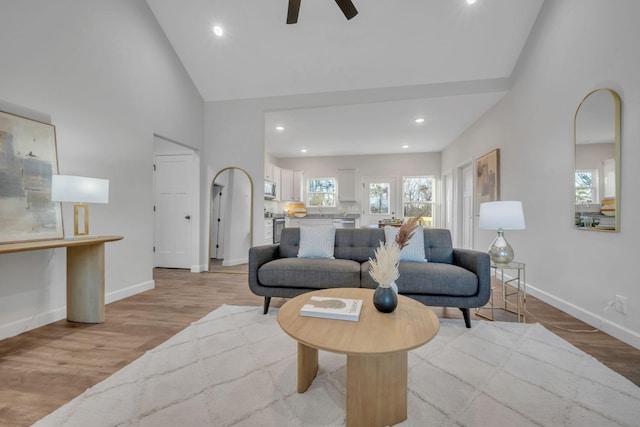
(269, 189)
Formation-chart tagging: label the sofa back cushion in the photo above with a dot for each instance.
(437, 245)
(357, 244)
(360, 244)
(354, 244)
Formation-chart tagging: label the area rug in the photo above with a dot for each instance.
(235, 367)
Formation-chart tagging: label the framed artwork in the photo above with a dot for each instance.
(28, 159)
(487, 178)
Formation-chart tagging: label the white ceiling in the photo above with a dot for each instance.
(389, 44)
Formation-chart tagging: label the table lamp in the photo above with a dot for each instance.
(80, 191)
(502, 215)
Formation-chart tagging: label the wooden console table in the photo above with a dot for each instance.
(85, 273)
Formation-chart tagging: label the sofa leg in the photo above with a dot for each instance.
(267, 300)
(467, 316)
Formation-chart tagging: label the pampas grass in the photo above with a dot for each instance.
(384, 268)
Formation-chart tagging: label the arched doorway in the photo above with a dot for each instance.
(230, 217)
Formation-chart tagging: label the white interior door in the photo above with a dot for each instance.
(467, 207)
(172, 220)
(378, 199)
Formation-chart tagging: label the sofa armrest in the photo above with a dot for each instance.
(479, 263)
(258, 256)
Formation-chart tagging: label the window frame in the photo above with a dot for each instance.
(594, 187)
(425, 220)
(333, 194)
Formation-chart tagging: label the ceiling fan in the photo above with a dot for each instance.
(346, 6)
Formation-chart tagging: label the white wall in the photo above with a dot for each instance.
(238, 242)
(109, 80)
(576, 46)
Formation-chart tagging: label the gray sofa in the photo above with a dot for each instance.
(452, 277)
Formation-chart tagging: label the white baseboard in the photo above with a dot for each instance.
(597, 321)
(23, 325)
(127, 292)
(199, 268)
(232, 262)
(26, 324)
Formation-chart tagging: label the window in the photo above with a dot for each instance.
(586, 184)
(322, 192)
(379, 198)
(417, 198)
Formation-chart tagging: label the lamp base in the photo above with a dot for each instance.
(500, 250)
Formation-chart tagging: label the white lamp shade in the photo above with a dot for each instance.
(506, 215)
(79, 189)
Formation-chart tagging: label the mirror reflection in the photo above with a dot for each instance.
(597, 162)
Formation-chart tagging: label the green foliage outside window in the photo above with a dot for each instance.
(584, 187)
(322, 192)
(417, 198)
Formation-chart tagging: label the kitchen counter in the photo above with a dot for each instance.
(329, 216)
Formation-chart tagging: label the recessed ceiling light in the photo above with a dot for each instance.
(471, 1)
(304, 150)
(419, 120)
(405, 146)
(279, 128)
(218, 31)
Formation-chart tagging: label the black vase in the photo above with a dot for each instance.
(385, 299)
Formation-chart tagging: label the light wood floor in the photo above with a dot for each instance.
(43, 369)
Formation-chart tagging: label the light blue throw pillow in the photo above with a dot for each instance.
(317, 241)
(414, 251)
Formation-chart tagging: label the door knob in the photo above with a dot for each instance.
(187, 217)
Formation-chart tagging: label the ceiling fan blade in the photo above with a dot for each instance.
(294, 9)
(347, 7)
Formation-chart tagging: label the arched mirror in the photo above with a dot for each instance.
(597, 162)
(230, 218)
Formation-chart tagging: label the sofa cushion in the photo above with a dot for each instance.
(436, 279)
(352, 244)
(310, 273)
(414, 251)
(317, 241)
(357, 244)
(438, 246)
(429, 278)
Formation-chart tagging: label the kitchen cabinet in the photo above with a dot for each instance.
(278, 180)
(297, 222)
(269, 171)
(268, 231)
(291, 185)
(346, 185)
(272, 173)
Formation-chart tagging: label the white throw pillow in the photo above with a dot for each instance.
(317, 241)
(414, 251)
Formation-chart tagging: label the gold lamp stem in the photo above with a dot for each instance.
(77, 207)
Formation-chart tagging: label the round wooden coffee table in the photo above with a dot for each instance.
(376, 347)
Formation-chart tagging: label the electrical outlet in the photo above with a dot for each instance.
(621, 304)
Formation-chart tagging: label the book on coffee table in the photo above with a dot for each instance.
(332, 308)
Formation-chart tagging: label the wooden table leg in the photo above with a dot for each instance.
(307, 366)
(85, 283)
(376, 390)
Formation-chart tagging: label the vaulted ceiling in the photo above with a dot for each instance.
(451, 59)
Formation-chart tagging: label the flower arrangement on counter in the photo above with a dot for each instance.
(384, 268)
